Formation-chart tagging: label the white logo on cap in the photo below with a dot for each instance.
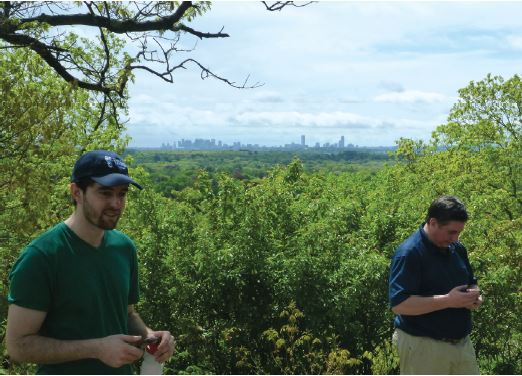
(120, 164)
(109, 161)
(114, 162)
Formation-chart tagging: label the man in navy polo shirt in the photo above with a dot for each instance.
(432, 291)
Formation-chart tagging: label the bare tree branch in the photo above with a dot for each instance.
(205, 73)
(107, 56)
(199, 34)
(279, 5)
(100, 64)
(97, 15)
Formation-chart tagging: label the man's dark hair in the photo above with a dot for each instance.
(82, 184)
(447, 208)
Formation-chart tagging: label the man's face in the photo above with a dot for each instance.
(444, 234)
(102, 206)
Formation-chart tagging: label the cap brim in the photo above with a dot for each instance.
(115, 179)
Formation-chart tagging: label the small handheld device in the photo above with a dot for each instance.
(148, 341)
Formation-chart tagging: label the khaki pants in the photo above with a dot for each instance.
(424, 355)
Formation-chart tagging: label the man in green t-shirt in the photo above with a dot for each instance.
(73, 289)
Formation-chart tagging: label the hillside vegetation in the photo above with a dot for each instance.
(286, 273)
(174, 170)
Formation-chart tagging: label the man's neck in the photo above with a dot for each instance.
(426, 229)
(85, 230)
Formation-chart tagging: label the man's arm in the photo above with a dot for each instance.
(136, 324)
(419, 305)
(24, 344)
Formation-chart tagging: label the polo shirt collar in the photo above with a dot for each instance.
(431, 246)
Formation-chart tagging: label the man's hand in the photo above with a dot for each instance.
(166, 346)
(478, 302)
(117, 350)
(464, 297)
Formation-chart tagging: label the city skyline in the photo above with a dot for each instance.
(373, 71)
(213, 143)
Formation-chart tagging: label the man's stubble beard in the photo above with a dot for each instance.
(99, 221)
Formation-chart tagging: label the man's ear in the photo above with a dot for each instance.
(76, 192)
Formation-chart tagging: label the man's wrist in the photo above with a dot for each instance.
(93, 348)
(443, 301)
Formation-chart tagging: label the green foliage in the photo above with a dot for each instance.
(384, 359)
(45, 124)
(220, 261)
(294, 351)
(173, 170)
(235, 254)
(285, 271)
(488, 113)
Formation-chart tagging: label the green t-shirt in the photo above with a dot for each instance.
(85, 290)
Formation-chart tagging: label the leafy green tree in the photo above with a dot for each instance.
(222, 260)
(45, 125)
(484, 134)
(475, 155)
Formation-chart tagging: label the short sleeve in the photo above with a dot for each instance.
(404, 278)
(31, 281)
(134, 288)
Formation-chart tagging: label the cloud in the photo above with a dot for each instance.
(391, 86)
(515, 41)
(167, 115)
(268, 97)
(336, 119)
(348, 99)
(410, 96)
(279, 127)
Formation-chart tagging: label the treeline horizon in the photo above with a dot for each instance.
(173, 170)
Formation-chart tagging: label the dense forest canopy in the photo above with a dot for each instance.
(175, 170)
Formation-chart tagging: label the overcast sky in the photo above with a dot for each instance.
(371, 71)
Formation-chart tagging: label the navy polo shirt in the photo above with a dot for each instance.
(419, 267)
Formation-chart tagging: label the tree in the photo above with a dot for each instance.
(484, 137)
(44, 126)
(486, 123)
(488, 113)
(476, 155)
(100, 63)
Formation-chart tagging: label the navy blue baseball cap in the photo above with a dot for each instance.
(104, 167)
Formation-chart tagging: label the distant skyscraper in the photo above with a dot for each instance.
(303, 140)
(341, 142)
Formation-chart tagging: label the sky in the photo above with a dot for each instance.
(372, 72)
